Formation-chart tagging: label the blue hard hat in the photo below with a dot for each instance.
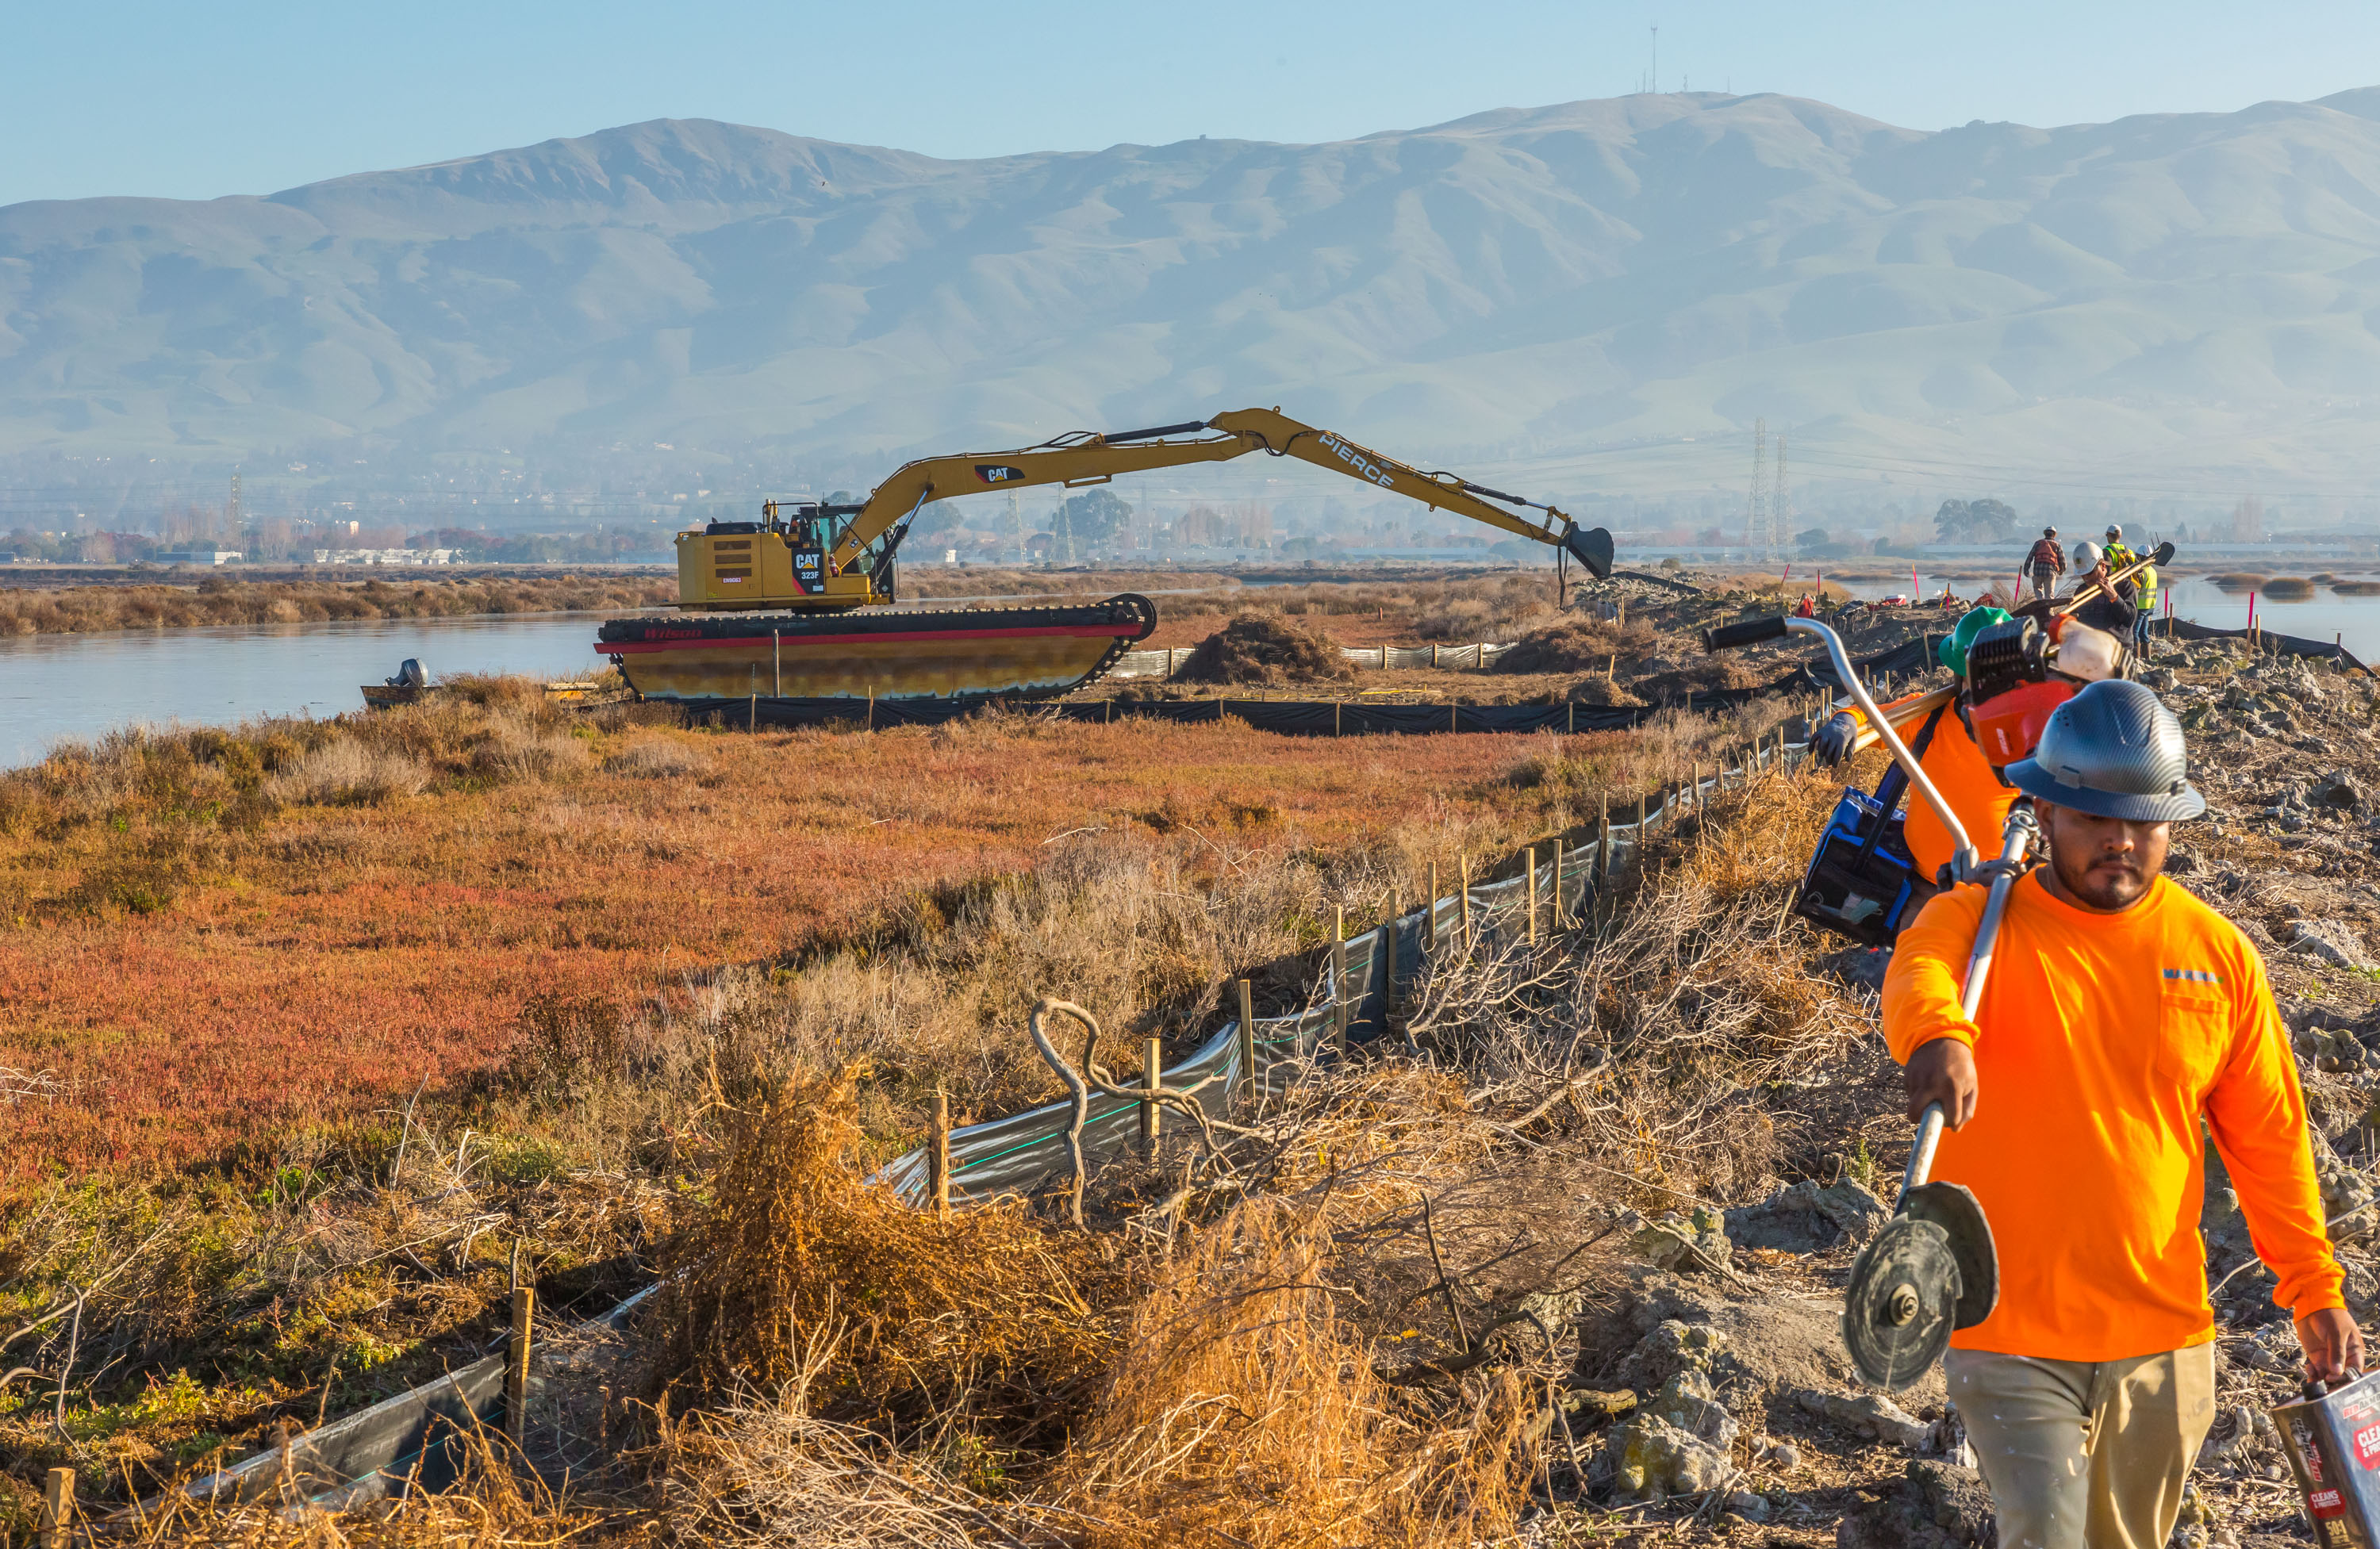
(2113, 751)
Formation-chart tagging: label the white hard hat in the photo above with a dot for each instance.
(2086, 556)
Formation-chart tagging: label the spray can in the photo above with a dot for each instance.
(2333, 1440)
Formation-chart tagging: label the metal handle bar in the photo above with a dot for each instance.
(1920, 1151)
(2016, 840)
(1965, 847)
(2163, 555)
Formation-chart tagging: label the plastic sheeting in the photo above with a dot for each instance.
(1020, 1152)
(2284, 645)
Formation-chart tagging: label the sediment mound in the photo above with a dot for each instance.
(1700, 677)
(1263, 649)
(1577, 645)
(2239, 580)
(2291, 587)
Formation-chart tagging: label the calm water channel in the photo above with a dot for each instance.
(81, 685)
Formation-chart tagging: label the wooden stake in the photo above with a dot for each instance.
(1429, 932)
(1466, 901)
(1389, 953)
(1152, 1077)
(753, 724)
(57, 1508)
(1339, 976)
(871, 706)
(937, 1156)
(517, 1364)
(1247, 1032)
(1532, 885)
(1562, 908)
(1603, 836)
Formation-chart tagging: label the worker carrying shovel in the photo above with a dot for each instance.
(2121, 1012)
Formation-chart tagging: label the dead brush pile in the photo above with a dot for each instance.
(790, 1252)
(1245, 1408)
(1263, 649)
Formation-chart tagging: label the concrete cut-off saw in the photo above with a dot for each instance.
(1932, 1269)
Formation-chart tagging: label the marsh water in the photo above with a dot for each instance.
(54, 686)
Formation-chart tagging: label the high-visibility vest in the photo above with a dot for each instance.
(2118, 556)
(2146, 579)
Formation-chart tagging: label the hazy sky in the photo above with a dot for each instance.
(196, 101)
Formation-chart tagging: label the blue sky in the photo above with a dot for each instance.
(194, 102)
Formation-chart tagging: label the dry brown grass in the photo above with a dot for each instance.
(771, 1472)
(494, 1505)
(1245, 1408)
(224, 599)
(347, 773)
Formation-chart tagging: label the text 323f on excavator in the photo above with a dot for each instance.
(796, 604)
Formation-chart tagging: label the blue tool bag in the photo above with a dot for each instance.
(1863, 882)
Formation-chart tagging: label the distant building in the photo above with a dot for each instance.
(382, 556)
(197, 556)
(7, 556)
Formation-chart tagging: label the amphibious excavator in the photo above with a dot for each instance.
(799, 604)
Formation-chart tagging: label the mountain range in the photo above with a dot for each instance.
(1613, 287)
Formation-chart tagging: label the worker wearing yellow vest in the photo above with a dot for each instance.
(2141, 590)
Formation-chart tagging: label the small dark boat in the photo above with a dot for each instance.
(410, 684)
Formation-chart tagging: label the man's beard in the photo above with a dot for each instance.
(2102, 886)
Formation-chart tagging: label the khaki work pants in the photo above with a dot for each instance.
(2082, 1454)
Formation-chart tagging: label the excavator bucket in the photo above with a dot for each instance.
(1590, 548)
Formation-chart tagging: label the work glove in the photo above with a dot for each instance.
(1831, 742)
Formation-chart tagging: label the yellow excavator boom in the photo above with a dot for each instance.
(791, 559)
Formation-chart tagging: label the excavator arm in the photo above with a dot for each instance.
(746, 572)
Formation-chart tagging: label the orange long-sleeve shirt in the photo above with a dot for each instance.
(2101, 1041)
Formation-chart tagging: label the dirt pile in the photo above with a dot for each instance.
(1580, 644)
(1263, 649)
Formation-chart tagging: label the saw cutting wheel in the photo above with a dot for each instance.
(1954, 1208)
(1903, 1300)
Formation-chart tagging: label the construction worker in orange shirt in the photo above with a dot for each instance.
(2121, 1015)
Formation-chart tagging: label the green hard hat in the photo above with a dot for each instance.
(1953, 650)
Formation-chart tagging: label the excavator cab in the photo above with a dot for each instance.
(781, 560)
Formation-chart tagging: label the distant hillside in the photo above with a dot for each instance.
(2187, 292)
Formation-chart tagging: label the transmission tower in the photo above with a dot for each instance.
(1758, 533)
(1781, 504)
(231, 511)
(1015, 531)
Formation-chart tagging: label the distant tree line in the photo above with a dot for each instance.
(1983, 521)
